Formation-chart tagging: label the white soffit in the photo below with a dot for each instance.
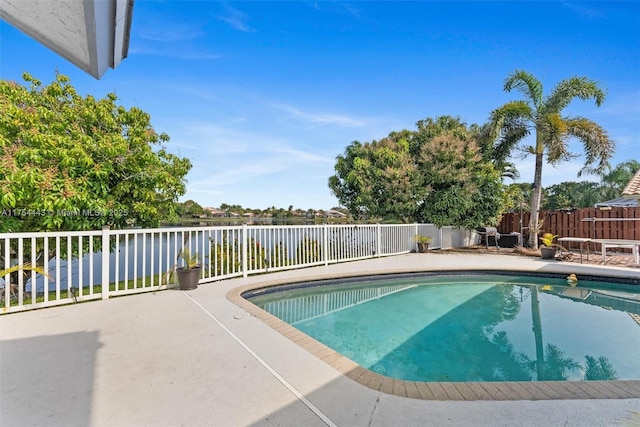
(92, 34)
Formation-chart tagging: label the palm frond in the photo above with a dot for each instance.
(509, 170)
(527, 84)
(619, 176)
(574, 87)
(511, 115)
(554, 129)
(597, 146)
(24, 267)
(513, 133)
(512, 110)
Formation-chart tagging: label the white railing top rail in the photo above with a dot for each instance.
(43, 234)
(174, 229)
(30, 234)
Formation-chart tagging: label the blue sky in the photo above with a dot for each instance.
(262, 96)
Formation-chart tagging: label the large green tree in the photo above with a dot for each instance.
(192, 208)
(572, 195)
(435, 174)
(377, 179)
(69, 162)
(541, 115)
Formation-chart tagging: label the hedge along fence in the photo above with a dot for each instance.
(594, 223)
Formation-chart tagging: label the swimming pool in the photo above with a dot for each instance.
(460, 328)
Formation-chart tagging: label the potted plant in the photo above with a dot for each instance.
(423, 243)
(189, 273)
(548, 249)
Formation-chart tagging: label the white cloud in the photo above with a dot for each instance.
(218, 170)
(338, 7)
(160, 34)
(302, 156)
(235, 18)
(584, 9)
(172, 32)
(218, 139)
(319, 118)
(242, 172)
(223, 156)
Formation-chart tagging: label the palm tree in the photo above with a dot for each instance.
(515, 120)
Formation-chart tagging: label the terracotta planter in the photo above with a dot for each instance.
(188, 278)
(548, 253)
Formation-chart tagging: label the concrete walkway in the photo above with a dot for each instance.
(195, 358)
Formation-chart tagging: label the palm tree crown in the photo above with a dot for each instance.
(511, 123)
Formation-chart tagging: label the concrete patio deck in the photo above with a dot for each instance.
(195, 358)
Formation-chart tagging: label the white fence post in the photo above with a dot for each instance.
(378, 240)
(325, 244)
(244, 242)
(105, 261)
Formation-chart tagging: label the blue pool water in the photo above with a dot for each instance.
(472, 328)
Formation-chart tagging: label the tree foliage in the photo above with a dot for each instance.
(377, 179)
(69, 162)
(572, 194)
(436, 174)
(615, 180)
(517, 196)
(191, 208)
(585, 194)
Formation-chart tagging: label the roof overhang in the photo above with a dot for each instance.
(92, 34)
(620, 202)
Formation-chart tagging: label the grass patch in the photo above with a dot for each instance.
(86, 290)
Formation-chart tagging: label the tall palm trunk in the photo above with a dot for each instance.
(537, 333)
(536, 195)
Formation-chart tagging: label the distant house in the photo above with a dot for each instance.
(248, 215)
(215, 212)
(335, 214)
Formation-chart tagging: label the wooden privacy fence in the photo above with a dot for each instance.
(594, 223)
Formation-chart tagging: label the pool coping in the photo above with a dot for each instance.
(456, 391)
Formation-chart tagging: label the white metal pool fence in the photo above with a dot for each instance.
(137, 260)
